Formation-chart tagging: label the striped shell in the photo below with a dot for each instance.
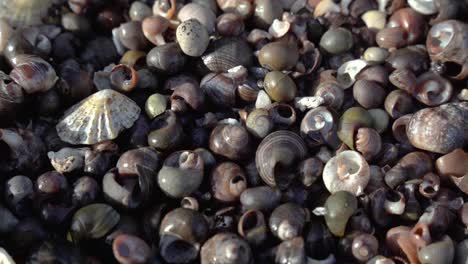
(99, 117)
(277, 155)
(24, 13)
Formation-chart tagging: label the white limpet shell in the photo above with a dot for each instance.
(425, 7)
(346, 74)
(24, 13)
(374, 19)
(5, 258)
(347, 171)
(99, 117)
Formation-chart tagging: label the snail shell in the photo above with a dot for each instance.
(99, 117)
(347, 171)
(425, 7)
(225, 248)
(227, 53)
(447, 42)
(33, 73)
(439, 129)
(24, 13)
(193, 37)
(318, 127)
(277, 155)
(198, 12)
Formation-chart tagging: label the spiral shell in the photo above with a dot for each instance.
(101, 116)
(439, 129)
(276, 156)
(24, 13)
(347, 171)
(227, 53)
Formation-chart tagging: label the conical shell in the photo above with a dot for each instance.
(101, 116)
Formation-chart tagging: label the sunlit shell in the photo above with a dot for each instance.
(346, 74)
(101, 116)
(24, 13)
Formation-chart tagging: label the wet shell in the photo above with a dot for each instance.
(439, 129)
(277, 154)
(24, 13)
(227, 53)
(101, 116)
(33, 73)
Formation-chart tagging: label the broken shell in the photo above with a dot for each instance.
(325, 7)
(67, 159)
(347, 171)
(101, 116)
(425, 7)
(346, 74)
(279, 28)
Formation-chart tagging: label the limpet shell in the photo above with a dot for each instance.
(99, 117)
(24, 13)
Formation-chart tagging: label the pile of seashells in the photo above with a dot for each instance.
(234, 131)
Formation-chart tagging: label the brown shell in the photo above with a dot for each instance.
(439, 129)
(33, 73)
(447, 42)
(228, 181)
(277, 155)
(226, 248)
(220, 89)
(230, 141)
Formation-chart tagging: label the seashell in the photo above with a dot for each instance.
(447, 42)
(439, 129)
(346, 74)
(425, 7)
(93, 221)
(226, 53)
(192, 37)
(347, 171)
(198, 12)
(374, 19)
(325, 7)
(226, 248)
(318, 127)
(165, 8)
(33, 74)
(287, 221)
(339, 206)
(153, 29)
(277, 155)
(24, 13)
(412, 166)
(252, 227)
(99, 117)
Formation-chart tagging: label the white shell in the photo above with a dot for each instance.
(279, 28)
(374, 19)
(193, 37)
(326, 7)
(263, 100)
(200, 13)
(357, 173)
(5, 258)
(425, 7)
(346, 74)
(99, 117)
(24, 13)
(375, 54)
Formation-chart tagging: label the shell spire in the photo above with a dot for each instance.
(99, 117)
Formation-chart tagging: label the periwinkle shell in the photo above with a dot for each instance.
(33, 73)
(99, 117)
(340, 207)
(93, 221)
(226, 53)
(439, 129)
(277, 155)
(193, 37)
(225, 248)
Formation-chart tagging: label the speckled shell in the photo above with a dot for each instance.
(101, 116)
(193, 37)
(273, 151)
(24, 13)
(439, 129)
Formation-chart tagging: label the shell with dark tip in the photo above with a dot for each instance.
(439, 129)
(99, 117)
(277, 157)
(226, 53)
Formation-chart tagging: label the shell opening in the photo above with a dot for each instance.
(250, 221)
(452, 69)
(346, 167)
(187, 160)
(5, 154)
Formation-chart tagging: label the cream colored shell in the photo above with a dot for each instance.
(193, 37)
(24, 13)
(99, 117)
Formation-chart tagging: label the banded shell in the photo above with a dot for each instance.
(227, 53)
(99, 117)
(277, 155)
(33, 73)
(439, 129)
(24, 13)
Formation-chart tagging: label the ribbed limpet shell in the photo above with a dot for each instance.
(99, 117)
